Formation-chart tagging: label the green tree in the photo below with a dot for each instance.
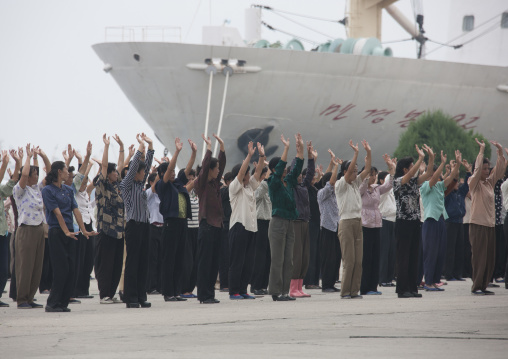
(440, 132)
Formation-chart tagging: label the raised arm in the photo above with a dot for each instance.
(18, 157)
(430, 167)
(455, 169)
(47, 163)
(437, 174)
(368, 160)
(410, 174)
(261, 162)
(349, 175)
(121, 152)
(222, 157)
(500, 167)
(5, 162)
(336, 162)
(311, 166)
(68, 155)
(132, 151)
(84, 165)
(172, 163)
(104, 168)
(245, 164)
(475, 178)
(286, 143)
(149, 155)
(192, 159)
(205, 164)
(26, 168)
(36, 159)
(331, 164)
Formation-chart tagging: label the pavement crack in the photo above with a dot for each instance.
(420, 337)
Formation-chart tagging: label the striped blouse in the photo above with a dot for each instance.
(194, 200)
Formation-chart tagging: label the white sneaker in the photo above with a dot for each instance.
(107, 300)
(116, 300)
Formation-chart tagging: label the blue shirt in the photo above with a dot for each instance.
(433, 200)
(168, 194)
(62, 198)
(455, 203)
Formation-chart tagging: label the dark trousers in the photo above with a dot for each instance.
(86, 257)
(262, 257)
(108, 264)
(209, 247)
(483, 247)
(190, 265)
(387, 249)
(434, 249)
(312, 276)
(13, 290)
(241, 257)
(154, 281)
(301, 249)
(136, 262)
(467, 269)
(330, 258)
(4, 262)
(370, 263)
(62, 251)
(224, 256)
(174, 233)
(454, 250)
(505, 227)
(407, 235)
(500, 265)
(47, 271)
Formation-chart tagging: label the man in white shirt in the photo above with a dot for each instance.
(243, 223)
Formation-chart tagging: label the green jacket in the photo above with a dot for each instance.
(5, 191)
(282, 197)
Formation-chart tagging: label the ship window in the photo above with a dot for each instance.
(504, 20)
(137, 57)
(468, 23)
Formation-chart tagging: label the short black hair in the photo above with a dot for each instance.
(213, 163)
(111, 167)
(262, 172)
(228, 177)
(402, 164)
(273, 162)
(237, 168)
(162, 169)
(192, 173)
(326, 178)
(381, 176)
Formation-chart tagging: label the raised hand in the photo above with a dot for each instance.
(106, 140)
(5, 156)
(132, 150)
(420, 152)
(15, 156)
(207, 140)
(284, 141)
(36, 151)
(466, 164)
(299, 140)
(261, 150)
(221, 142)
(332, 155)
(429, 150)
(178, 144)
(147, 139)
(498, 146)
(77, 155)
(89, 148)
(99, 162)
(157, 160)
(251, 149)
(481, 144)
(29, 152)
(458, 157)
(336, 161)
(193, 146)
(389, 162)
(20, 153)
(70, 151)
(314, 154)
(355, 148)
(118, 140)
(366, 146)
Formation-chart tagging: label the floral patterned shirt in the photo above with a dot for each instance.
(407, 198)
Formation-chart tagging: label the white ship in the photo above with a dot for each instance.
(330, 96)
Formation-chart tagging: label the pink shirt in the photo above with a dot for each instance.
(483, 211)
(371, 215)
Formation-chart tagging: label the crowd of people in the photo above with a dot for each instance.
(146, 229)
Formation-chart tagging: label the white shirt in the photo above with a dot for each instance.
(85, 206)
(349, 199)
(504, 191)
(29, 204)
(153, 202)
(243, 204)
(387, 206)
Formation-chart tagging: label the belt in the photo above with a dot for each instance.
(157, 224)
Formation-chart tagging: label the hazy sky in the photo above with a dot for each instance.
(53, 90)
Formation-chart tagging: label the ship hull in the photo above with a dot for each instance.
(328, 97)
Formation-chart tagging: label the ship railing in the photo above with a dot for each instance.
(143, 34)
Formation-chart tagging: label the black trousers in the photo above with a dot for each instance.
(224, 256)
(136, 262)
(467, 269)
(47, 271)
(408, 235)
(62, 251)
(331, 256)
(84, 262)
(500, 266)
(108, 264)
(209, 246)
(13, 291)
(454, 261)
(241, 257)
(434, 249)
(370, 262)
(154, 281)
(4, 261)
(262, 257)
(312, 276)
(174, 233)
(387, 250)
(190, 265)
(505, 227)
